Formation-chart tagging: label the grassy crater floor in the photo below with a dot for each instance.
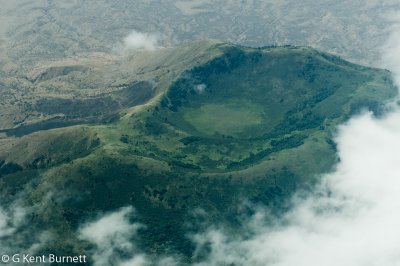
(235, 116)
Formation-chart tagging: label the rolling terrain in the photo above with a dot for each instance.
(56, 30)
(205, 126)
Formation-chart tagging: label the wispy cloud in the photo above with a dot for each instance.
(140, 41)
(17, 232)
(11, 219)
(113, 235)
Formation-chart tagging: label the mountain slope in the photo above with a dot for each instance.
(354, 30)
(234, 124)
(90, 88)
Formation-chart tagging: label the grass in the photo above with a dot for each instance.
(230, 118)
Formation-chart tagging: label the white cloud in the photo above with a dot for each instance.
(141, 41)
(17, 233)
(10, 221)
(113, 234)
(109, 227)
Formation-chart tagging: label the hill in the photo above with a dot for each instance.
(218, 125)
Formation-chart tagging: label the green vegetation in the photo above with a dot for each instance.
(228, 118)
(249, 124)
